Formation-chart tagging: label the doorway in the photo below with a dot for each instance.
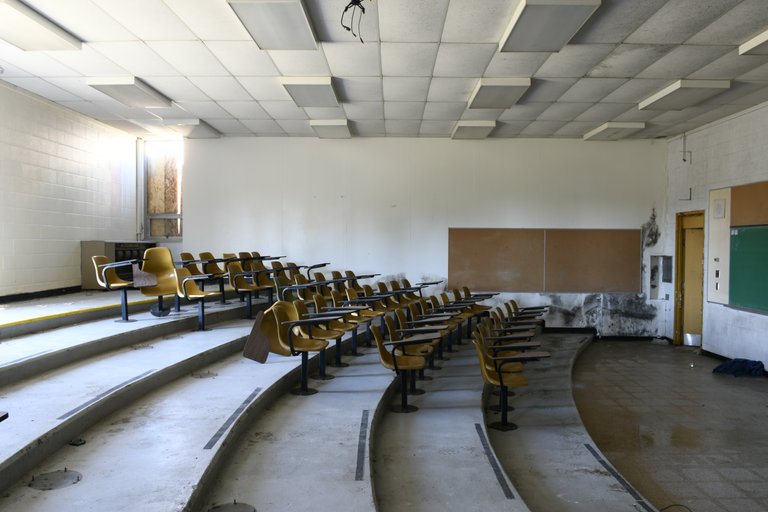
(689, 275)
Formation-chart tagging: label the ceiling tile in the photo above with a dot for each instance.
(634, 114)
(406, 21)
(212, 21)
(221, 88)
(466, 23)
(8, 69)
(325, 112)
(408, 59)
(515, 64)
(368, 128)
(740, 93)
(682, 61)
(231, 127)
(603, 112)
(326, 20)
(83, 19)
(243, 58)
(191, 58)
(136, 57)
(359, 89)
(674, 117)
(729, 66)
(441, 111)
(149, 20)
(265, 88)
(627, 60)
(300, 62)
(264, 127)
(364, 110)
(88, 62)
(177, 87)
(42, 88)
(405, 88)
(542, 128)
(508, 129)
(481, 114)
(126, 112)
(591, 89)
(463, 60)
(78, 87)
(614, 20)
(403, 109)
(717, 113)
(451, 89)
(436, 128)
(402, 128)
(35, 63)
(635, 90)
(205, 109)
(673, 22)
(549, 89)
(284, 110)
(563, 111)
(736, 26)
(244, 109)
(92, 110)
(575, 60)
(526, 112)
(353, 59)
(175, 111)
(295, 128)
(576, 129)
(755, 98)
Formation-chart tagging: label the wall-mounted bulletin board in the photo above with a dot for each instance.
(748, 270)
(545, 260)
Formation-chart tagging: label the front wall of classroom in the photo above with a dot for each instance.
(385, 205)
(724, 154)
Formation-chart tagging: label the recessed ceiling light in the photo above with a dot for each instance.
(276, 24)
(29, 30)
(545, 25)
(130, 91)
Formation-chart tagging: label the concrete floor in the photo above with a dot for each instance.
(681, 434)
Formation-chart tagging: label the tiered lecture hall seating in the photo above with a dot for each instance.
(161, 407)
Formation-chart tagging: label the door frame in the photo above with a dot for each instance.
(683, 221)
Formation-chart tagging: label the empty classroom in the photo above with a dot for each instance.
(375, 255)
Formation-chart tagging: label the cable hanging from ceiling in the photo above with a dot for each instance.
(354, 5)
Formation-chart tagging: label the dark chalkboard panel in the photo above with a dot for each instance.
(749, 268)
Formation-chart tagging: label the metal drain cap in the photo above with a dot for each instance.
(233, 507)
(55, 480)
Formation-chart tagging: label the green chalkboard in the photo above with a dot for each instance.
(749, 268)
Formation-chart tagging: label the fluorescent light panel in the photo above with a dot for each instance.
(545, 25)
(331, 128)
(276, 24)
(758, 45)
(683, 94)
(613, 131)
(311, 91)
(473, 129)
(130, 91)
(29, 30)
(498, 92)
(192, 128)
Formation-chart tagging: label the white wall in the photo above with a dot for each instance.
(385, 205)
(727, 153)
(63, 178)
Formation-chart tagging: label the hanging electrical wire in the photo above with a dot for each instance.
(354, 5)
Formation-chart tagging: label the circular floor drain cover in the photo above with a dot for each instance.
(55, 480)
(233, 507)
